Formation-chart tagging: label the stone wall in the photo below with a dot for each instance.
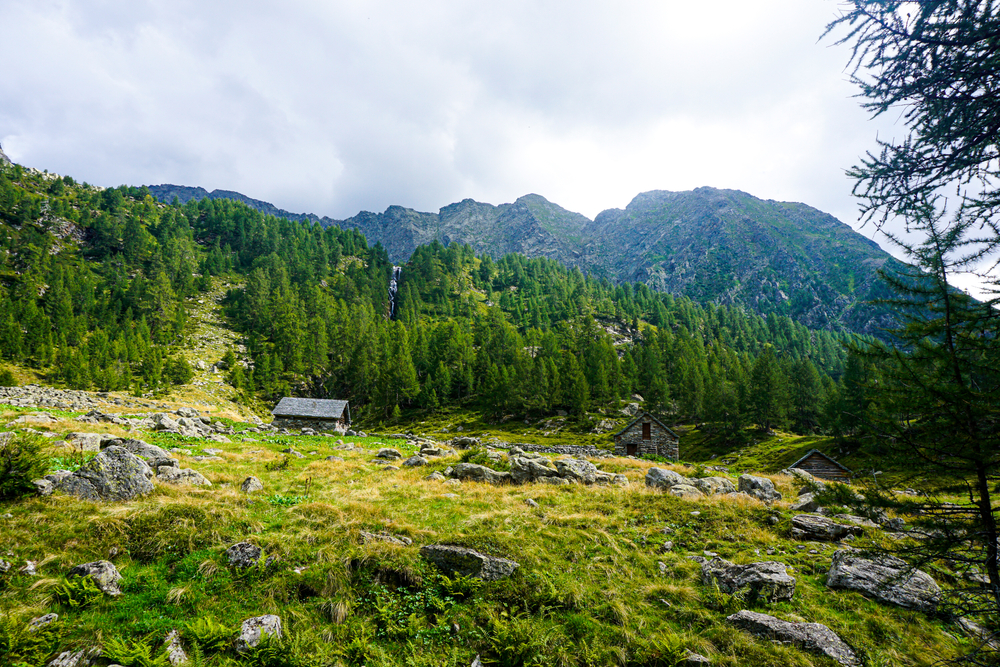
(315, 424)
(661, 442)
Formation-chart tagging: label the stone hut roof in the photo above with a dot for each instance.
(639, 417)
(816, 451)
(312, 408)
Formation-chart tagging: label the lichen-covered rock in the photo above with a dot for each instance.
(760, 488)
(80, 658)
(813, 637)
(255, 629)
(389, 453)
(820, 528)
(577, 470)
(661, 478)
(42, 621)
(114, 474)
(805, 503)
(468, 562)
(401, 540)
(685, 492)
(151, 454)
(711, 486)
(103, 573)
(768, 579)
(886, 579)
(620, 480)
(478, 473)
(172, 475)
(415, 461)
(243, 554)
(172, 647)
(525, 468)
(251, 485)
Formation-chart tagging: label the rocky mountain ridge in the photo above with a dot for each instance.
(714, 246)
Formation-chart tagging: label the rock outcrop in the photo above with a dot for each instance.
(103, 573)
(760, 488)
(813, 637)
(468, 562)
(768, 579)
(821, 529)
(114, 474)
(253, 630)
(886, 579)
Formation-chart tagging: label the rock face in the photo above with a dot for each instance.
(114, 474)
(478, 473)
(468, 562)
(813, 637)
(255, 629)
(103, 573)
(526, 468)
(760, 488)
(768, 580)
(660, 478)
(577, 470)
(886, 579)
(820, 528)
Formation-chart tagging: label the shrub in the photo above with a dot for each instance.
(7, 378)
(137, 653)
(178, 370)
(21, 461)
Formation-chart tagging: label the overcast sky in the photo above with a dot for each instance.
(334, 107)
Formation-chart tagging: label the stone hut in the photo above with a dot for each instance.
(821, 466)
(315, 413)
(647, 435)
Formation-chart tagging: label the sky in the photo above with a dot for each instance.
(333, 107)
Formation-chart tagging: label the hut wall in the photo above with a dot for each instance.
(338, 425)
(818, 466)
(661, 442)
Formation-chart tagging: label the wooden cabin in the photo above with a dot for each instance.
(647, 435)
(316, 413)
(821, 466)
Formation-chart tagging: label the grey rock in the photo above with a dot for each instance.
(577, 470)
(30, 568)
(43, 487)
(805, 503)
(478, 473)
(4, 566)
(172, 647)
(172, 475)
(660, 478)
(255, 629)
(212, 451)
(188, 412)
(140, 448)
(555, 481)
(886, 579)
(42, 621)
(243, 554)
(685, 492)
(856, 520)
(760, 488)
(468, 562)
(768, 579)
(80, 658)
(335, 458)
(415, 461)
(292, 452)
(435, 476)
(530, 503)
(524, 469)
(88, 442)
(620, 480)
(389, 453)
(711, 486)
(694, 659)
(464, 442)
(820, 528)
(251, 485)
(114, 474)
(103, 573)
(367, 538)
(812, 637)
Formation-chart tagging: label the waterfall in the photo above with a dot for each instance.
(393, 289)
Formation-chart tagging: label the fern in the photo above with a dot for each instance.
(138, 653)
(209, 635)
(78, 592)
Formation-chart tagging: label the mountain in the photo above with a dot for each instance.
(715, 246)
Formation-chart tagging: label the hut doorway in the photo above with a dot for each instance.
(631, 449)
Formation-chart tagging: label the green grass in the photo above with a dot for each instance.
(589, 589)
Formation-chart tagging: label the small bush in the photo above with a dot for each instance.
(178, 371)
(480, 456)
(7, 378)
(21, 460)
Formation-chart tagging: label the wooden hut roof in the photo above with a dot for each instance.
(816, 451)
(312, 408)
(639, 417)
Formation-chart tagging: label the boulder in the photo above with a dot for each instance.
(415, 461)
(88, 442)
(188, 412)
(660, 478)
(886, 579)
(711, 486)
(164, 422)
(255, 629)
(172, 475)
(768, 580)
(251, 485)
(172, 647)
(42, 621)
(812, 637)
(80, 658)
(464, 442)
(524, 469)
(577, 470)
(114, 474)
(435, 477)
(685, 492)
(243, 554)
(555, 481)
(620, 480)
(389, 453)
(468, 562)
(760, 488)
(820, 529)
(478, 473)
(805, 503)
(103, 573)
(153, 456)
